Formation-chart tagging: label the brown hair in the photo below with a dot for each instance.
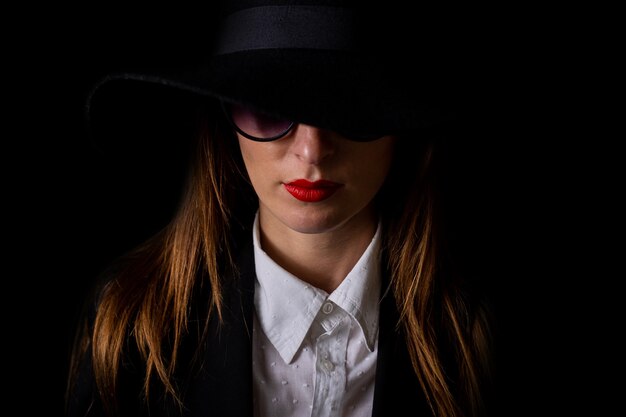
(147, 303)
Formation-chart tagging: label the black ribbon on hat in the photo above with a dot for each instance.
(287, 27)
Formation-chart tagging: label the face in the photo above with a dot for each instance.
(314, 180)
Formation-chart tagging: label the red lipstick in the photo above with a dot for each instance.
(312, 192)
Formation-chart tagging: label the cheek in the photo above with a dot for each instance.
(246, 152)
(376, 162)
(262, 162)
(251, 157)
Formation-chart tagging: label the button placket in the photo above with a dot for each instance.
(327, 308)
(330, 378)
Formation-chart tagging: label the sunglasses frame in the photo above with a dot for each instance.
(285, 132)
(229, 117)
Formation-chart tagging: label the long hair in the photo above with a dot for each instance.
(442, 318)
(147, 304)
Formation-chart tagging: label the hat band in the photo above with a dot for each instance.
(287, 27)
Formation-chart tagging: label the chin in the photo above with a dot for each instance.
(313, 222)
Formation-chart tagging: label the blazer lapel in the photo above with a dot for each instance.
(223, 386)
(397, 388)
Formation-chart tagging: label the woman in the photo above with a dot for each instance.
(303, 272)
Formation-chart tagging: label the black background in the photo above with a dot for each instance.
(74, 209)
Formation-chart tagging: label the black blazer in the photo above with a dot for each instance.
(222, 386)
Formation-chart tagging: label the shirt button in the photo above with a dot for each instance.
(328, 365)
(327, 308)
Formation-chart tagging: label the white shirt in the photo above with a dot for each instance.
(314, 354)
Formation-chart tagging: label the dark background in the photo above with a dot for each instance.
(75, 208)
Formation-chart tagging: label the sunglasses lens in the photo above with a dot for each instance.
(263, 127)
(257, 125)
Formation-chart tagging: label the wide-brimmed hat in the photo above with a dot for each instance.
(348, 66)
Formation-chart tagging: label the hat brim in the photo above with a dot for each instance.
(336, 91)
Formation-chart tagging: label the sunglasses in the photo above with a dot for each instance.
(263, 127)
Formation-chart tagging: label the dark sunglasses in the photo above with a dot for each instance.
(262, 127)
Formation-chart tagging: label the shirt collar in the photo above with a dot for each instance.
(286, 306)
(359, 292)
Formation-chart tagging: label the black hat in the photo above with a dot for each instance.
(348, 66)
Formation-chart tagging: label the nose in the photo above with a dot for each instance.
(312, 144)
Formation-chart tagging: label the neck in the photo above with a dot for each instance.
(320, 259)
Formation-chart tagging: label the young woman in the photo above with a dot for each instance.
(303, 273)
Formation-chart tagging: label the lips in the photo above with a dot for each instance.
(312, 192)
